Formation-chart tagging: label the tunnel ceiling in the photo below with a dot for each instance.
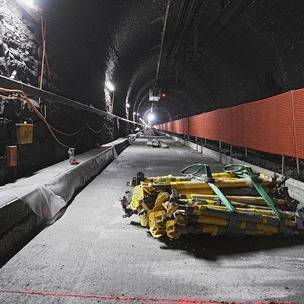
(216, 53)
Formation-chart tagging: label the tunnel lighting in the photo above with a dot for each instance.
(109, 85)
(128, 105)
(143, 122)
(29, 3)
(151, 117)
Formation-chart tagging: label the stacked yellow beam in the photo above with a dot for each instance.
(171, 206)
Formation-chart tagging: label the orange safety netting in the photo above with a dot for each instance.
(274, 125)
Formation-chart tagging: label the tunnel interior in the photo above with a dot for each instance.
(213, 54)
(195, 56)
(152, 151)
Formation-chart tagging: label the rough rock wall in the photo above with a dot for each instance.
(19, 59)
(20, 56)
(19, 43)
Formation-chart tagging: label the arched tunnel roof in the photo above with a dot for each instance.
(215, 53)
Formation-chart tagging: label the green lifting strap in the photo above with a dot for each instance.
(246, 171)
(222, 197)
(202, 172)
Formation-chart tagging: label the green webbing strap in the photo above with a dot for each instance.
(267, 199)
(222, 197)
(202, 172)
(246, 171)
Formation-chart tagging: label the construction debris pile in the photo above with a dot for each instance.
(235, 201)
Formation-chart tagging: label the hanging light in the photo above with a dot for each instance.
(151, 117)
(29, 3)
(109, 85)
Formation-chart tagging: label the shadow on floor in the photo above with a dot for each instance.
(211, 248)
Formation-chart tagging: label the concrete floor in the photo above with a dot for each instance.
(93, 255)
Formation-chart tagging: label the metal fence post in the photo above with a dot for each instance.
(230, 154)
(298, 165)
(283, 164)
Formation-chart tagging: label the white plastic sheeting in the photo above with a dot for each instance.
(50, 189)
(29, 201)
(47, 200)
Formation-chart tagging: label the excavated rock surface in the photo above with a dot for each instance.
(18, 43)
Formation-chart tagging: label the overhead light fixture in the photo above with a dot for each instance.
(29, 3)
(151, 117)
(154, 94)
(127, 105)
(109, 85)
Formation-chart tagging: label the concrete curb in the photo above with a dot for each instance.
(295, 187)
(21, 218)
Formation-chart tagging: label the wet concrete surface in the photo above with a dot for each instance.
(93, 255)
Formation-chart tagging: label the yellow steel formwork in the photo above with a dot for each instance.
(171, 206)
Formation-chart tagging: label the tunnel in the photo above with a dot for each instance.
(151, 151)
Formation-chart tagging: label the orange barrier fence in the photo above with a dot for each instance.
(274, 125)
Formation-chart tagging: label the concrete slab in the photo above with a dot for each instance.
(28, 203)
(14, 190)
(92, 255)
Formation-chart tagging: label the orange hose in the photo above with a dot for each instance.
(28, 101)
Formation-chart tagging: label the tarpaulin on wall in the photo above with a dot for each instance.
(274, 125)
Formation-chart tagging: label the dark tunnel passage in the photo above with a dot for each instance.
(152, 151)
(215, 53)
(194, 56)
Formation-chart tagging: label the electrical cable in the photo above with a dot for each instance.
(53, 128)
(19, 95)
(94, 131)
(66, 134)
(28, 101)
